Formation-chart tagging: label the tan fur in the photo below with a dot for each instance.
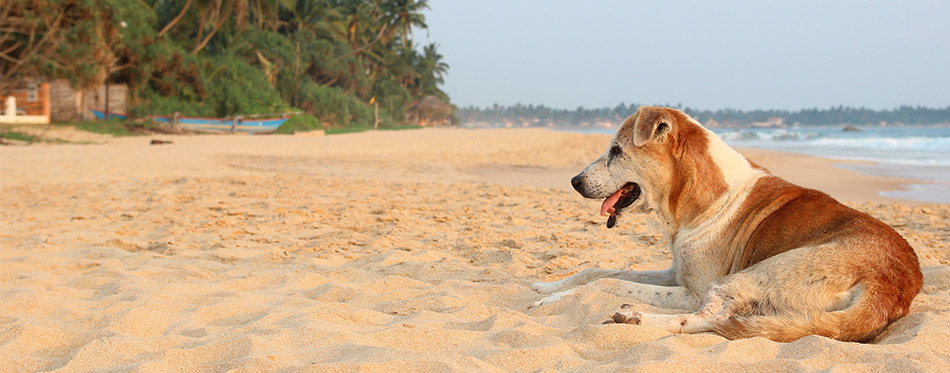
(757, 255)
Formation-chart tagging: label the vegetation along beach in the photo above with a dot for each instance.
(393, 221)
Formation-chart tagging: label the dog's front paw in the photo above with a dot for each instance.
(555, 297)
(626, 317)
(546, 287)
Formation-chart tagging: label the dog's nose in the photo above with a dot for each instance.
(577, 182)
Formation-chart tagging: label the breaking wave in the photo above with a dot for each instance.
(916, 146)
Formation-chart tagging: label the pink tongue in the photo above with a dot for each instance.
(609, 203)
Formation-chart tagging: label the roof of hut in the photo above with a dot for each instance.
(432, 104)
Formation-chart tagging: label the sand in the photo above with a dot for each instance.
(380, 251)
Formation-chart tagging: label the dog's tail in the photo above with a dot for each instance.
(863, 320)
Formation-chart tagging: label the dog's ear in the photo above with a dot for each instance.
(651, 123)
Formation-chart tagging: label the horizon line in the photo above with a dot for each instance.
(682, 107)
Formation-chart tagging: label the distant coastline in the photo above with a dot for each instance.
(517, 116)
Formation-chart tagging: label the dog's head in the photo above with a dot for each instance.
(657, 155)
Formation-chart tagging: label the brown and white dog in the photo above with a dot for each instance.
(754, 254)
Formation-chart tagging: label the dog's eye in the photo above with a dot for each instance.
(615, 151)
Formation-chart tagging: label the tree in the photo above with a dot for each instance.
(181, 13)
(227, 57)
(214, 14)
(36, 39)
(432, 70)
(403, 15)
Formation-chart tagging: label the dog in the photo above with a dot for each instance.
(754, 254)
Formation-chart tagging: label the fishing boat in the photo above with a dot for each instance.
(211, 125)
(223, 125)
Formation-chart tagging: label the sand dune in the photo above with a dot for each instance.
(386, 251)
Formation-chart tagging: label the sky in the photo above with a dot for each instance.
(700, 54)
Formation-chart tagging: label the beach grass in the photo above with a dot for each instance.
(30, 138)
(120, 128)
(19, 136)
(342, 130)
(114, 127)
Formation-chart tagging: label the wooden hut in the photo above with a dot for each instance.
(431, 111)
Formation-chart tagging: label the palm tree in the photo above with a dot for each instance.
(318, 17)
(265, 14)
(403, 15)
(434, 63)
(431, 70)
(214, 14)
(181, 13)
(393, 18)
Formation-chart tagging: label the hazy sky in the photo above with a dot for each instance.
(703, 54)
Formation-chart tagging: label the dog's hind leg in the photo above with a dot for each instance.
(781, 308)
(663, 278)
(732, 295)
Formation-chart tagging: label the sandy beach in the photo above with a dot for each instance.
(376, 251)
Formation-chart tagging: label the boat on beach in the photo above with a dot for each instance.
(211, 125)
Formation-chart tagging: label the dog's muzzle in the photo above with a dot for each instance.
(614, 203)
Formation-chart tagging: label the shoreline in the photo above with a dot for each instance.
(908, 189)
(934, 188)
(846, 185)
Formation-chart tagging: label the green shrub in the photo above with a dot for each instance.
(236, 87)
(301, 122)
(230, 87)
(114, 127)
(156, 104)
(332, 105)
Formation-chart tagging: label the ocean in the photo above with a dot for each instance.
(917, 153)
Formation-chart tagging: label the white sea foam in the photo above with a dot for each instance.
(923, 146)
(907, 143)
